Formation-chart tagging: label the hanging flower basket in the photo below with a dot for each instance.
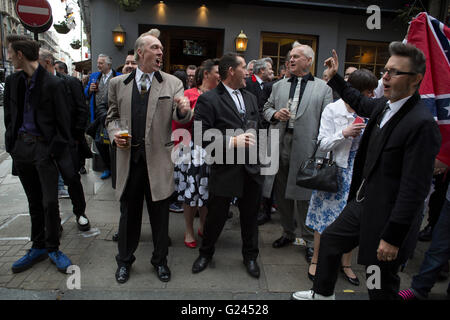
(61, 27)
(129, 5)
(76, 44)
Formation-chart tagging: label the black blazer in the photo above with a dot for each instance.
(216, 109)
(79, 115)
(254, 87)
(52, 115)
(399, 179)
(79, 111)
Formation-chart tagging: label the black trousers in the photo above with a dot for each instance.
(218, 207)
(76, 193)
(341, 237)
(131, 205)
(38, 174)
(437, 198)
(103, 150)
(74, 186)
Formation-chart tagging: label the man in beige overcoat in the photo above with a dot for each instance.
(294, 108)
(148, 100)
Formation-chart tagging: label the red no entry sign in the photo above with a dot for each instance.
(34, 14)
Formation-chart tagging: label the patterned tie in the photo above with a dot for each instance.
(143, 83)
(241, 107)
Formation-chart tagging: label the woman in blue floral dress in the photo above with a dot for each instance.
(340, 132)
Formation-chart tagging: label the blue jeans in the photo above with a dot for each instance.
(60, 183)
(436, 256)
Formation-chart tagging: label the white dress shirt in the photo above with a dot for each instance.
(105, 77)
(394, 108)
(237, 97)
(139, 75)
(259, 81)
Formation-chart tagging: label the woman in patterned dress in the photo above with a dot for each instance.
(191, 176)
(340, 131)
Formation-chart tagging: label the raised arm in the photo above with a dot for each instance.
(362, 105)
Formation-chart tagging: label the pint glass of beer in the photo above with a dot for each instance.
(123, 130)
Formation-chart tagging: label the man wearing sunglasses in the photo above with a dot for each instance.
(391, 178)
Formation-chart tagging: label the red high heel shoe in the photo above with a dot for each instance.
(200, 234)
(191, 245)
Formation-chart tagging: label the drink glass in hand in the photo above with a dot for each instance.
(123, 130)
(251, 124)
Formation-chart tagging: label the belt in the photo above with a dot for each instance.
(290, 130)
(26, 136)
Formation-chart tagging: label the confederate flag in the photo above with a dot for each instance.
(432, 37)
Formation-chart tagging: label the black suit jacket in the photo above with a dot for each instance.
(252, 85)
(79, 111)
(52, 115)
(399, 179)
(79, 116)
(217, 110)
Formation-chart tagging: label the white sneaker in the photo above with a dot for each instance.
(83, 221)
(310, 295)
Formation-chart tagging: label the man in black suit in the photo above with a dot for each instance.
(262, 70)
(258, 84)
(391, 178)
(223, 108)
(37, 136)
(79, 113)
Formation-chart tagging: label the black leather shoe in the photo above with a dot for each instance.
(281, 242)
(312, 277)
(252, 268)
(115, 237)
(163, 273)
(309, 254)
(200, 264)
(426, 233)
(353, 281)
(122, 274)
(263, 218)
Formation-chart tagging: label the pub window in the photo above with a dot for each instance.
(368, 55)
(277, 45)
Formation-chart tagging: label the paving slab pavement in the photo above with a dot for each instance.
(283, 270)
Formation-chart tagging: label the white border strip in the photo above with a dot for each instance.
(15, 239)
(34, 10)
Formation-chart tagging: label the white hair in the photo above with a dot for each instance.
(250, 62)
(259, 65)
(306, 50)
(140, 41)
(108, 59)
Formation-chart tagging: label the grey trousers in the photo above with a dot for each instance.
(288, 208)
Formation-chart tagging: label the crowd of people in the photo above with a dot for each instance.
(385, 150)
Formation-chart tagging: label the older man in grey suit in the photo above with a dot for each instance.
(294, 108)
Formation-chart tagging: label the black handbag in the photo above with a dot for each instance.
(318, 173)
